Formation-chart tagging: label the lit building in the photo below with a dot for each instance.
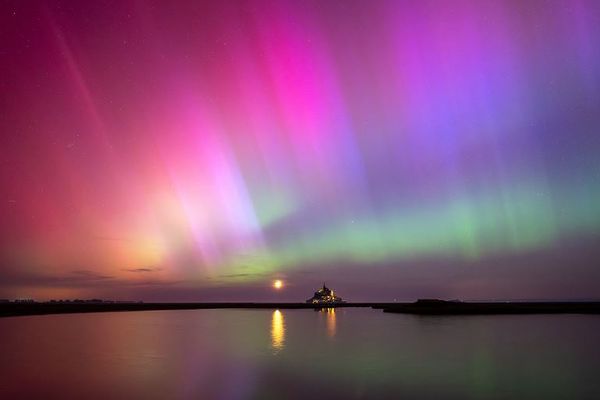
(325, 296)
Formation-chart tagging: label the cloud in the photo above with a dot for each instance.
(233, 275)
(74, 278)
(243, 275)
(85, 275)
(81, 278)
(147, 269)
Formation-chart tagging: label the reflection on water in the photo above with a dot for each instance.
(277, 331)
(335, 354)
(330, 320)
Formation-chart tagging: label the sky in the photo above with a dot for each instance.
(198, 150)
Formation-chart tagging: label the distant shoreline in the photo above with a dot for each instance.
(421, 307)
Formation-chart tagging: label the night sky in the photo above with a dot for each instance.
(198, 150)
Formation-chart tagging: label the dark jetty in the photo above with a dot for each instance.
(32, 308)
(424, 307)
(442, 307)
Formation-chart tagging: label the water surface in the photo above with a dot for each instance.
(266, 354)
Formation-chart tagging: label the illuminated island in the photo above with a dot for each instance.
(325, 296)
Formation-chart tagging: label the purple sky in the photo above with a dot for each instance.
(195, 150)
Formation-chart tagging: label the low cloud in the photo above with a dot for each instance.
(233, 275)
(242, 275)
(142, 269)
(86, 275)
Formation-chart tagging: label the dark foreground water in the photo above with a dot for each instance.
(265, 354)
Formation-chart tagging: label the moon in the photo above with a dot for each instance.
(278, 284)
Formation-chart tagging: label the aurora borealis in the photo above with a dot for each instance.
(199, 150)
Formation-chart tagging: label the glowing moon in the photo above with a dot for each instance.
(278, 284)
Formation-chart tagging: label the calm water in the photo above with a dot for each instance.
(264, 354)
